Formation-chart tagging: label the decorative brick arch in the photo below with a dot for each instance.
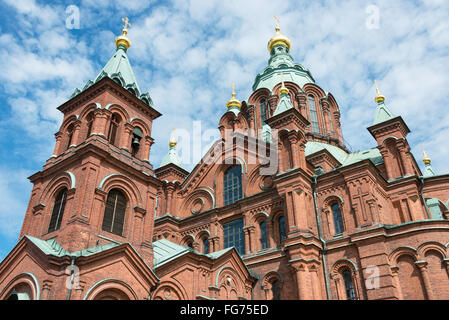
(228, 281)
(200, 200)
(123, 183)
(141, 124)
(432, 246)
(111, 288)
(401, 251)
(116, 108)
(336, 273)
(65, 179)
(268, 280)
(88, 109)
(187, 239)
(25, 283)
(67, 122)
(169, 290)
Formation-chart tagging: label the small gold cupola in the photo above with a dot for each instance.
(278, 38)
(123, 40)
(283, 89)
(379, 98)
(233, 102)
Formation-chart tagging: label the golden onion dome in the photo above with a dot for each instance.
(426, 159)
(233, 102)
(278, 38)
(379, 97)
(123, 40)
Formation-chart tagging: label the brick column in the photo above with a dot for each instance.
(422, 265)
(101, 121)
(76, 133)
(301, 274)
(395, 273)
(148, 142)
(252, 238)
(270, 233)
(125, 142)
(58, 136)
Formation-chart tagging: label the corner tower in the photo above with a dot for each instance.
(98, 187)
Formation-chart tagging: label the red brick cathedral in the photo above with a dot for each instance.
(309, 219)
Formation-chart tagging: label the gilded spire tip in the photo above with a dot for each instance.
(426, 159)
(173, 141)
(379, 98)
(123, 40)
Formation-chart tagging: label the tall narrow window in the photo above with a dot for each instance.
(349, 285)
(69, 136)
(232, 185)
(233, 235)
(114, 214)
(313, 115)
(263, 235)
(58, 211)
(113, 128)
(206, 246)
(338, 222)
(276, 290)
(90, 122)
(282, 233)
(263, 111)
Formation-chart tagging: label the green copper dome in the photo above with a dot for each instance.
(281, 61)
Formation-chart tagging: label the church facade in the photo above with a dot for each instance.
(325, 223)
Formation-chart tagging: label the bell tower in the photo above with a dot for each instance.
(98, 186)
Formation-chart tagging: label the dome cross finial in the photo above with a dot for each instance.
(277, 24)
(379, 98)
(123, 40)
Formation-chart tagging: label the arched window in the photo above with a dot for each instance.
(114, 213)
(58, 210)
(349, 285)
(338, 222)
(232, 185)
(90, 122)
(263, 235)
(276, 290)
(205, 245)
(263, 110)
(69, 136)
(113, 128)
(282, 232)
(313, 115)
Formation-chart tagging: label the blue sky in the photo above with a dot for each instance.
(187, 54)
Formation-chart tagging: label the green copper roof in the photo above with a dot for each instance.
(119, 69)
(382, 113)
(428, 170)
(342, 156)
(53, 248)
(281, 61)
(171, 157)
(165, 251)
(283, 105)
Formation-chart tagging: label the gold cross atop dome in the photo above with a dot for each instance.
(278, 39)
(173, 141)
(233, 102)
(123, 40)
(283, 89)
(126, 21)
(379, 97)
